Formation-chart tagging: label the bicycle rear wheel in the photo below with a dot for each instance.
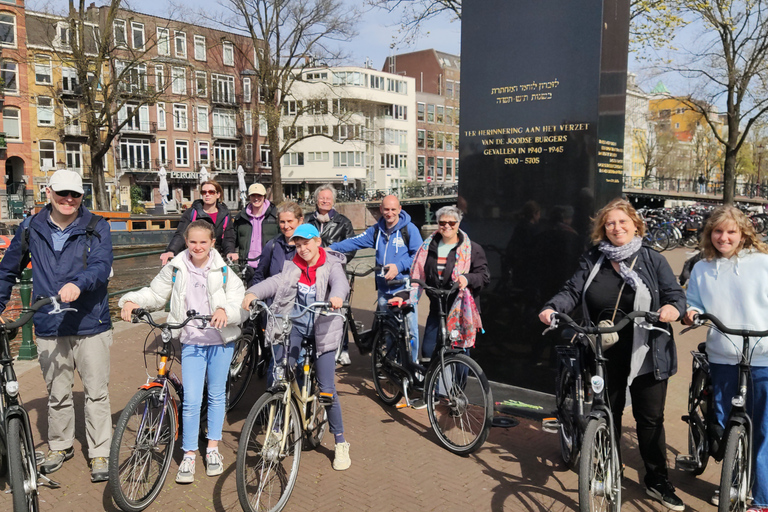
(22, 469)
(599, 470)
(565, 400)
(142, 449)
(459, 404)
(265, 474)
(386, 350)
(734, 480)
(240, 370)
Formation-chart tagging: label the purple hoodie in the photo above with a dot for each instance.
(255, 249)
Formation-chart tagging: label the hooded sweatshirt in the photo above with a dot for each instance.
(390, 248)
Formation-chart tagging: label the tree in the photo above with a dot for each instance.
(290, 36)
(112, 81)
(729, 62)
(655, 147)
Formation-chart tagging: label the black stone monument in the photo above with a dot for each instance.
(541, 149)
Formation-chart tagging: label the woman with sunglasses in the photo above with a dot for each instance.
(445, 257)
(211, 209)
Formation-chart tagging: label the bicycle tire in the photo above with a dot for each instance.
(389, 392)
(317, 414)
(240, 371)
(565, 400)
(260, 467)
(734, 480)
(698, 441)
(142, 449)
(22, 468)
(459, 404)
(599, 470)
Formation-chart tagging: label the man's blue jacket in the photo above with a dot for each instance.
(83, 262)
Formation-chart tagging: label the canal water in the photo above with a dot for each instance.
(132, 272)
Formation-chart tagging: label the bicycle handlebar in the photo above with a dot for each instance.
(700, 318)
(354, 272)
(34, 308)
(140, 314)
(443, 292)
(650, 317)
(258, 305)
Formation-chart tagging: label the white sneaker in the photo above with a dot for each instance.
(186, 474)
(341, 460)
(344, 359)
(214, 463)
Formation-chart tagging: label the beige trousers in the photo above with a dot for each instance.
(59, 357)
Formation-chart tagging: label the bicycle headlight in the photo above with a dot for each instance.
(12, 387)
(738, 401)
(597, 384)
(455, 336)
(279, 373)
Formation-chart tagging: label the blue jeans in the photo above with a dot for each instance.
(198, 364)
(413, 324)
(725, 380)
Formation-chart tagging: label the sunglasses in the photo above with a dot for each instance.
(71, 193)
(208, 192)
(451, 223)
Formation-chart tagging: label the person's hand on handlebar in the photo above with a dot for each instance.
(689, 317)
(668, 313)
(127, 310)
(463, 282)
(391, 272)
(233, 256)
(165, 257)
(546, 316)
(219, 318)
(69, 292)
(336, 302)
(249, 297)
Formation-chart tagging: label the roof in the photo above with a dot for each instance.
(660, 88)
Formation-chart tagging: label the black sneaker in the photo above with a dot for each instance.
(55, 459)
(664, 492)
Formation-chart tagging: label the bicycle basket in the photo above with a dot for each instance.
(365, 342)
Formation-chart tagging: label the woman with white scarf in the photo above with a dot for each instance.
(616, 276)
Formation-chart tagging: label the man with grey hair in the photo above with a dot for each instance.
(333, 227)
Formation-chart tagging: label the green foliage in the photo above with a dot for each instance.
(137, 200)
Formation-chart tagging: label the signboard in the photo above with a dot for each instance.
(176, 175)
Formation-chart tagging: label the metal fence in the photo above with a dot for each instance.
(693, 186)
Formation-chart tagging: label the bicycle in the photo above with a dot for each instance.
(599, 462)
(457, 393)
(148, 427)
(289, 414)
(363, 339)
(732, 444)
(17, 446)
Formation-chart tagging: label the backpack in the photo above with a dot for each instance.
(90, 232)
(403, 234)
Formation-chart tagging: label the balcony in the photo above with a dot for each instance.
(134, 165)
(136, 90)
(158, 163)
(227, 132)
(72, 132)
(136, 127)
(225, 98)
(69, 88)
(224, 166)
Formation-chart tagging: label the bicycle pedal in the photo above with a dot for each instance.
(550, 425)
(325, 399)
(686, 463)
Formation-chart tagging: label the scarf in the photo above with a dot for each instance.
(621, 255)
(463, 315)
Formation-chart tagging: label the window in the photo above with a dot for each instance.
(290, 107)
(398, 86)
(62, 34)
(225, 156)
(178, 80)
(430, 113)
(180, 116)
(314, 129)
(202, 119)
(440, 169)
(228, 53)
(137, 32)
(223, 88)
(201, 83)
(248, 155)
(430, 140)
(317, 156)
(456, 167)
(420, 168)
(449, 88)
(7, 30)
(204, 150)
(456, 116)
(47, 155)
(457, 94)
(399, 112)
(439, 137)
(421, 135)
(449, 169)
(8, 73)
(72, 117)
(248, 122)
(162, 147)
(200, 50)
(119, 33)
(449, 142)
(180, 44)
(163, 42)
(265, 156)
(316, 77)
(293, 159)
(420, 111)
(159, 78)
(44, 111)
(317, 107)
(440, 114)
(43, 73)
(263, 126)
(182, 153)
(74, 157)
(161, 116)
(247, 90)
(377, 82)
(137, 116)
(69, 80)
(348, 158)
(134, 154)
(448, 115)
(431, 166)
(12, 123)
(134, 78)
(224, 123)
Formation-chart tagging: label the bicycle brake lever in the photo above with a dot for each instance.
(58, 309)
(552, 325)
(650, 327)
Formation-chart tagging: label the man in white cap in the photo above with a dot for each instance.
(255, 225)
(71, 253)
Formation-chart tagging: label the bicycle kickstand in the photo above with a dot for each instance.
(405, 395)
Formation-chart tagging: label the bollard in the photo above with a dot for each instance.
(28, 349)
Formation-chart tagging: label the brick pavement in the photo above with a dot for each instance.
(397, 464)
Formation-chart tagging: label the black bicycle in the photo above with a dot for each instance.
(706, 438)
(593, 432)
(363, 339)
(17, 446)
(455, 389)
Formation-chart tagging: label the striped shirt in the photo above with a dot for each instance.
(443, 250)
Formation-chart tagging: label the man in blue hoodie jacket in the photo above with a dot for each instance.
(394, 253)
(71, 251)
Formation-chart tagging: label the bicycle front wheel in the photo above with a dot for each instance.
(23, 469)
(734, 479)
(386, 351)
(459, 404)
(142, 449)
(240, 370)
(268, 455)
(317, 415)
(599, 470)
(565, 399)
(698, 405)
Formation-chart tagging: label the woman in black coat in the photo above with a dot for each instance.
(619, 270)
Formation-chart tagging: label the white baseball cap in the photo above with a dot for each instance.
(64, 179)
